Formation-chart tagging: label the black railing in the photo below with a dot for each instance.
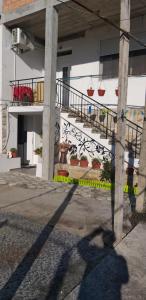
(28, 91)
(92, 112)
(99, 116)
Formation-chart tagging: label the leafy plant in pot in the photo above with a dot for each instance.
(96, 164)
(84, 161)
(102, 115)
(74, 160)
(13, 152)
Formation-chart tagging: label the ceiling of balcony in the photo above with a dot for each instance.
(75, 20)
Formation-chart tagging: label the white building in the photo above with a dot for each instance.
(87, 57)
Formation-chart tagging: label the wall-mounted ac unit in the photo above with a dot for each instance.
(20, 39)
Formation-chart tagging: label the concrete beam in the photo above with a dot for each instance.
(121, 123)
(51, 37)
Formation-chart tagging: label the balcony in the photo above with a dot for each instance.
(27, 92)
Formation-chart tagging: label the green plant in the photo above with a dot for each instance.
(83, 157)
(13, 150)
(96, 160)
(103, 112)
(107, 173)
(74, 157)
(38, 151)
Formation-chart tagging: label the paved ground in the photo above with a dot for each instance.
(51, 236)
(119, 276)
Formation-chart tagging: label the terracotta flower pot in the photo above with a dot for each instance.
(117, 92)
(96, 165)
(74, 162)
(14, 154)
(63, 173)
(84, 163)
(90, 92)
(101, 92)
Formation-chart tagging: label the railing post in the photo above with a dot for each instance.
(107, 125)
(82, 107)
(136, 141)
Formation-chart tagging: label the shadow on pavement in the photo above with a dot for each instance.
(10, 288)
(102, 285)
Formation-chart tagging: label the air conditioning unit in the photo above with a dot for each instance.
(20, 39)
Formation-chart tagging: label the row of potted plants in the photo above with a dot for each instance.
(83, 162)
(101, 92)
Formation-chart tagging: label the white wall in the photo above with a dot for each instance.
(84, 61)
(30, 64)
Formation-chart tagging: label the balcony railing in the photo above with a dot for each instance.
(27, 91)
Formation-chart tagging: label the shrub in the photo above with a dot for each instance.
(108, 171)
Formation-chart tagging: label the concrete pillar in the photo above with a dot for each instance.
(121, 122)
(13, 131)
(141, 198)
(51, 38)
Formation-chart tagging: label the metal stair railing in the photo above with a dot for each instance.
(99, 116)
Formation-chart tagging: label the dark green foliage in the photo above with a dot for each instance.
(107, 171)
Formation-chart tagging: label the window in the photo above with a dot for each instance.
(109, 64)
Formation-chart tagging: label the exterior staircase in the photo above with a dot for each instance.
(95, 124)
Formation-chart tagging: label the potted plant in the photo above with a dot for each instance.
(101, 92)
(64, 148)
(84, 161)
(63, 173)
(102, 115)
(101, 89)
(74, 160)
(90, 92)
(13, 152)
(38, 153)
(96, 164)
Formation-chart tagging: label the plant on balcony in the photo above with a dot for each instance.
(13, 152)
(38, 151)
(96, 164)
(84, 161)
(74, 160)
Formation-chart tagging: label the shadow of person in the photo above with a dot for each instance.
(105, 281)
